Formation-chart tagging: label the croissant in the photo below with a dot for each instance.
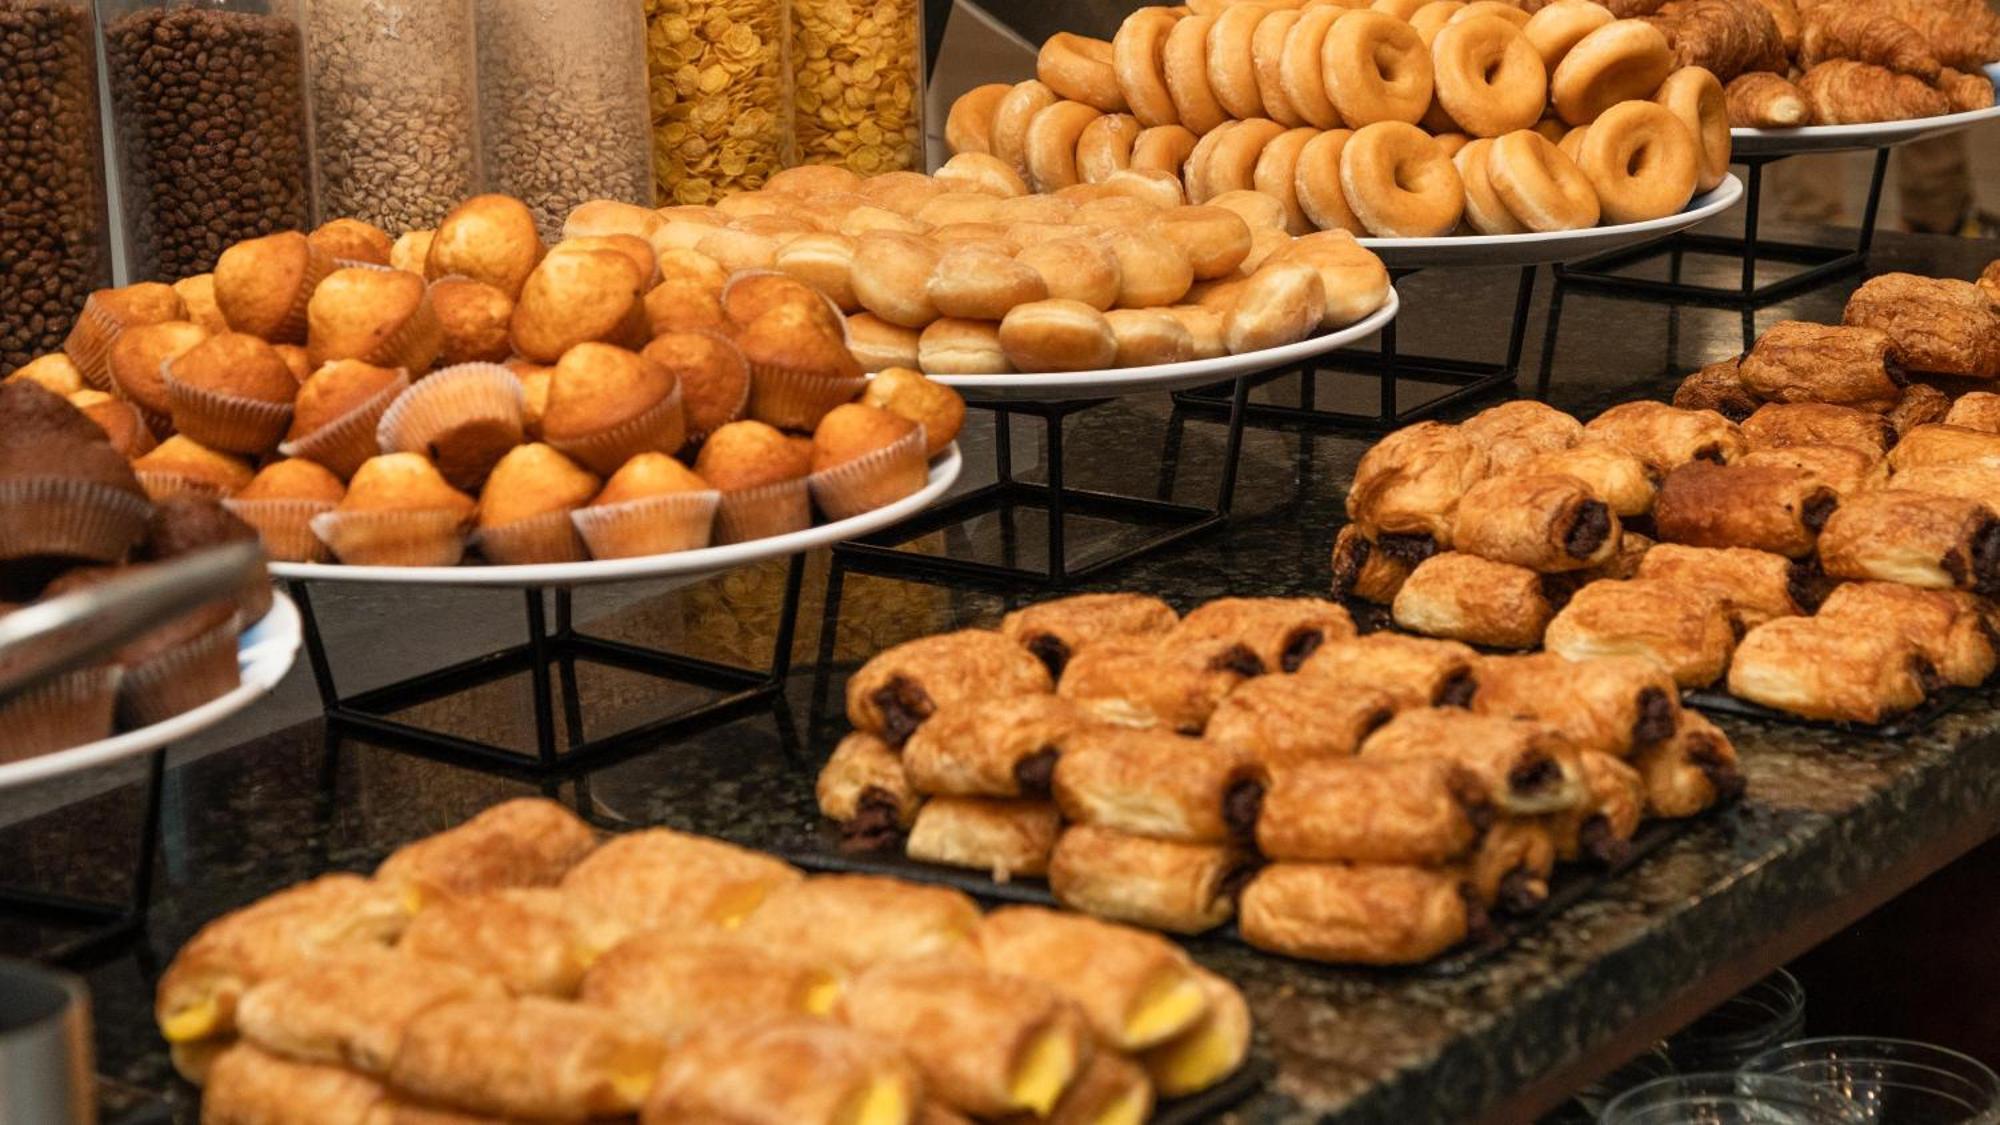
(1785, 13)
(1965, 92)
(1727, 37)
(1962, 33)
(1719, 386)
(1762, 100)
(1844, 92)
(1866, 36)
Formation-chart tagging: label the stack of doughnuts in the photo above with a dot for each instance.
(1409, 119)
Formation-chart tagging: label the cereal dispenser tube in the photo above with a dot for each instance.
(720, 100)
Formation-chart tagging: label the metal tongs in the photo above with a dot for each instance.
(52, 637)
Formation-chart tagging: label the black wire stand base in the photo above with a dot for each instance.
(95, 928)
(1470, 380)
(550, 657)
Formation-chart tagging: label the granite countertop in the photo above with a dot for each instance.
(1831, 826)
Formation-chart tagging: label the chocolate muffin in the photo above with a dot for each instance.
(65, 493)
(184, 525)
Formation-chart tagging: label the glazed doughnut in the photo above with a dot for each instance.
(823, 261)
(1356, 281)
(1572, 143)
(1299, 70)
(1485, 211)
(1051, 144)
(1145, 337)
(1400, 9)
(1267, 56)
(1552, 129)
(1162, 189)
(949, 346)
(1185, 63)
(1488, 78)
(979, 283)
(1079, 68)
(1431, 18)
(1280, 304)
(993, 236)
(1450, 143)
(959, 206)
(891, 277)
(1204, 329)
(1562, 25)
(868, 217)
(1057, 335)
(969, 125)
(1543, 189)
(905, 193)
(1151, 269)
(1163, 148)
(1695, 96)
(1625, 60)
(1025, 235)
(1316, 183)
(1376, 70)
(1218, 295)
(1232, 69)
(1259, 211)
(1115, 210)
(1516, 16)
(1397, 182)
(1232, 163)
(1276, 174)
(1105, 146)
(978, 173)
(1010, 122)
(878, 345)
(1077, 268)
(1137, 59)
(1264, 242)
(1035, 209)
(1642, 161)
(1215, 239)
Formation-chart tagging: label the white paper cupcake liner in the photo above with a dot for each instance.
(791, 399)
(163, 485)
(660, 428)
(73, 519)
(224, 422)
(547, 538)
(759, 513)
(342, 445)
(68, 710)
(420, 538)
(284, 526)
(872, 480)
(465, 418)
(655, 525)
(88, 344)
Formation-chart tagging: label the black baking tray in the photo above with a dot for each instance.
(120, 1103)
(1209, 1104)
(1914, 721)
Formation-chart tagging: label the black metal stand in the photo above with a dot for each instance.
(1470, 380)
(100, 927)
(369, 713)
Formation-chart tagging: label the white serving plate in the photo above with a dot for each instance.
(1071, 385)
(1848, 138)
(264, 653)
(707, 560)
(1556, 246)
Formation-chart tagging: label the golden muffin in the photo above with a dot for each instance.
(198, 294)
(56, 372)
(294, 478)
(334, 418)
(751, 295)
(685, 304)
(382, 317)
(578, 297)
(525, 506)
(412, 251)
(634, 248)
(109, 312)
(121, 421)
(398, 511)
(684, 264)
(489, 238)
(232, 393)
(262, 285)
(651, 506)
(297, 360)
(932, 405)
(714, 379)
(181, 466)
(464, 419)
(136, 361)
(864, 457)
(281, 503)
(607, 405)
(535, 379)
(475, 318)
(799, 367)
(351, 240)
(762, 476)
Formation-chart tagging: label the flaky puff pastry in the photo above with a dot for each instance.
(1975, 410)
(660, 879)
(1781, 425)
(864, 789)
(1182, 888)
(1622, 480)
(1001, 836)
(1058, 629)
(527, 842)
(1510, 868)
(987, 1043)
(1373, 567)
(1611, 705)
(668, 985)
(532, 940)
(1685, 631)
(1665, 437)
(1920, 405)
(1761, 507)
(1356, 914)
(1525, 768)
(1797, 361)
(1691, 771)
(249, 1086)
(1945, 445)
(351, 1008)
(1547, 522)
(1936, 542)
(1940, 325)
(1413, 671)
(1006, 746)
(532, 1057)
(1136, 989)
(1514, 432)
(1148, 682)
(789, 1072)
(1207, 1052)
(1152, 783)
(1410, 482)
(1825, 670)
(852, 921)
(1952, 629)
(1372, 810)
(1601, 828)
(1463, 597)
(1281, 631)
(197, 996)
(1287, 719)
(1842, 468)
(1753, 586)
(1632, 550)
(1967, 482)
(892, 694)
(1718, 387)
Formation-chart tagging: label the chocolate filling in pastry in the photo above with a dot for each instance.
(1229, 888)
(904, 706)
(1656, 718)
(876, 826)
(1456, 690)
(1478, 924)
(1807, 585)
(1986, 558)
(1376, 720)
(1036, 772)
(1531, 777)
(1818, 508)
(1710, 452)
(1722, 774)
(1471, 794)
(1521, 892)
(1589, 530)
(1240, 660)
(1349, 560)
(1051, 651)
(1241, 803)
(1301, 644)
(1926, 675)
(1558, 589)
(1407, 549)
(1594, 835)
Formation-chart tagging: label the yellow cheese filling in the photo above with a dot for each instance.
(1130, 1108)
(884, 1101)
(196, 1021)
(1165, 1009)
(1196, 1061)
(1047, 1064)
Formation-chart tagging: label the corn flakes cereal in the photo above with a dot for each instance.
(718, 96)
(857, 83)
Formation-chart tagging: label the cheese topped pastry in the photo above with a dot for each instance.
(1136, 989)
(668, 985)
(351, 1008)
(529, 842)
(790, 1072)
(1208, 1051)
(849, 922)
(532, 1057)
(532, 940)
(662, 879)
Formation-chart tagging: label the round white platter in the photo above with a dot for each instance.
(264, 653)
(1069, 386)
(1555, 246)
(1849, 138)
(944, 470)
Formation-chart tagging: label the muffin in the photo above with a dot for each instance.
(109, 312)
(280, 503)
(489, 238)
(65, 493)
(262, 285)
(524, 511)
(685, 304)
(799, 368)
(608, 405)
(714, 380)
(173, 668)
(535, 379)
(378, 316)
(864, 457)
(198, 294)
(232, 393)
(182, 465)
(351, 240)
(337, 411)
(678, 263)
(121, 422)
(184, 525)
(411, 251)
(297, 360)
(72, 709)
(398, 511)
(55, 371)
(464, 419)
(137, 363)
(932, 405)
(635, 249)
(753, 293)
(762, 477)
(652, 505)
(578, 297)
(475, 318)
